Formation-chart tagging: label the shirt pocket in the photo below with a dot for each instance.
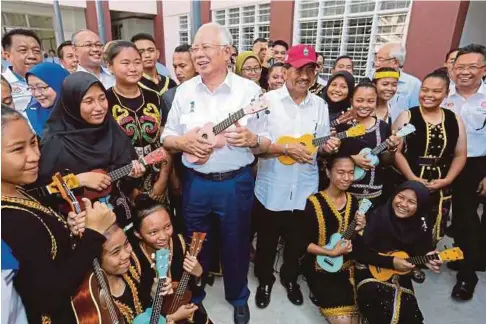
(192, 120)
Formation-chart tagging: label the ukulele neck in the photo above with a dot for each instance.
(380, 148)
(158, 301)
(219, 128)
(419, 260)
(119, 173)
(321, 140)
(350, 230)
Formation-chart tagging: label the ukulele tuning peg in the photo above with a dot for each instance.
(152, 256)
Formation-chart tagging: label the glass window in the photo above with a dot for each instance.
(332, 8)
(184, 30)
(395, 4)
(220, 17)
(309, 9)
(14, 19)
(360, 6)
(248, 15)
(264, 12)
(234, 16)
(40, 22)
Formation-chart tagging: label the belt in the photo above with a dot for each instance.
(432, 161)
(219, 176)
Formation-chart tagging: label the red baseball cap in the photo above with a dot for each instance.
(300, 55)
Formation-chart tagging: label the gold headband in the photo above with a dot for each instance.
(387, 74)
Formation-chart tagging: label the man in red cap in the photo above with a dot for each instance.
(281, 190)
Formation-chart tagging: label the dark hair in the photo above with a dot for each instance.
(7, 38)
(9, 114)
(365, 83)
(142, 36)
(7, 83)
(275, 65)
(145, 206)
(260, 40)
(472, 48)
(320, 54)
(383, 69)
(450, 52)
(184, 48)
(281, 43)
(343, 57)
(52, 51)
(60, 54)
(116, 47)
(329, 163)
(236, 49)
(439, 74)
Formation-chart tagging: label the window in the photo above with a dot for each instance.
(41, 25)
(245, 24)
(350, 27)
(184, 30)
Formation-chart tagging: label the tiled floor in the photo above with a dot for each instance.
(433, 295)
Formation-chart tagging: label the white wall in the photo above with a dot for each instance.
(218, 5)
(73, 17)
(135, 6)
(172, 10)
(474, 30)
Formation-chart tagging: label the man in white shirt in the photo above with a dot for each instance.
(281, 190)
(469, 101)
(222, 188)
(22, 48)
(88, 49)
(393, 55)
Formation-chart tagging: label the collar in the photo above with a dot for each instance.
(403, 77)
(12, 77)
(481, 90)
(284, 93)
(228, 81)
(148, 77)
(103, 71)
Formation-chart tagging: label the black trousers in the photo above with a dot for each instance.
(271, 226)
(469, 229)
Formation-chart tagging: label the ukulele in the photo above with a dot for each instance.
(182, 295)
(212, 132)
(92, 302)
(345, 117)
(334, 264)
(372, 154)
(152, 315)
(382, 274)
(312, 144)
(70, 179)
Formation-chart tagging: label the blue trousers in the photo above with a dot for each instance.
(227, 204)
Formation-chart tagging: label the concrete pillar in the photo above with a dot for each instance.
(429, 39)
(280, 12)
(92, 21)
(159, 31)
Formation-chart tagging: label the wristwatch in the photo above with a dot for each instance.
(258, 142)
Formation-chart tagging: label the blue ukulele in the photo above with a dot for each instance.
(152, 315)
(334, 264)
(372, 154)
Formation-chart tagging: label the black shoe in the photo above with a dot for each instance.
(293, 293)
(262, 297)
(210, 280)
(242, 314)
(418, 275)
(463, 291)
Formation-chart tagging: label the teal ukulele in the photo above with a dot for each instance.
(152, 315)
(372, 154)
(334, 264)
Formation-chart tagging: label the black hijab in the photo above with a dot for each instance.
(71, 143)
(386, 232)
(335, 108)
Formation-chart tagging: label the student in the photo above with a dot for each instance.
(277, 75)
(386, 82)
(67, 58)
(338, 93)
(248, 66)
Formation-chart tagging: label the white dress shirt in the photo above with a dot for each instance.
(473, 114)
(286, 187)
(13, 310)
(407, 95)
(106, 78)
(20, 94)
(195, 105)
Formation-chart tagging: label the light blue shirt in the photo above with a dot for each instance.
(407, 95)
(162, 69)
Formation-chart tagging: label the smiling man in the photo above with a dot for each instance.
(67, 58)
(219, 190)
(22, 48)
(88, 49)
(151, 79)
(281, 191)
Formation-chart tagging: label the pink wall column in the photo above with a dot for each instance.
(282, 20)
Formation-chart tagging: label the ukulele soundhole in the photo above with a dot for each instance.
(302, 143)
(205, 136)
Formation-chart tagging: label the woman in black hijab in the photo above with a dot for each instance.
(81, 137)
(338, 92)
(399, 225)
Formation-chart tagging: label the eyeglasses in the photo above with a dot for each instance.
(204, 48)
(254, 70)
(91, 45)
(41, 90)
(472, 68)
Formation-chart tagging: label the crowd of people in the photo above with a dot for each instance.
(236, 163)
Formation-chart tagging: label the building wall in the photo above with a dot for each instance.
(218, 5)
(136, 6)
(474, 31)
(172, 11)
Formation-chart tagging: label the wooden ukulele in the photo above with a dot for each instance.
(372, 154)
(334, 264)
(213, 133)
(383, 274)
(92, 302)
(152, 315)
(312, 144)
(182, 295)
(347, 116)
